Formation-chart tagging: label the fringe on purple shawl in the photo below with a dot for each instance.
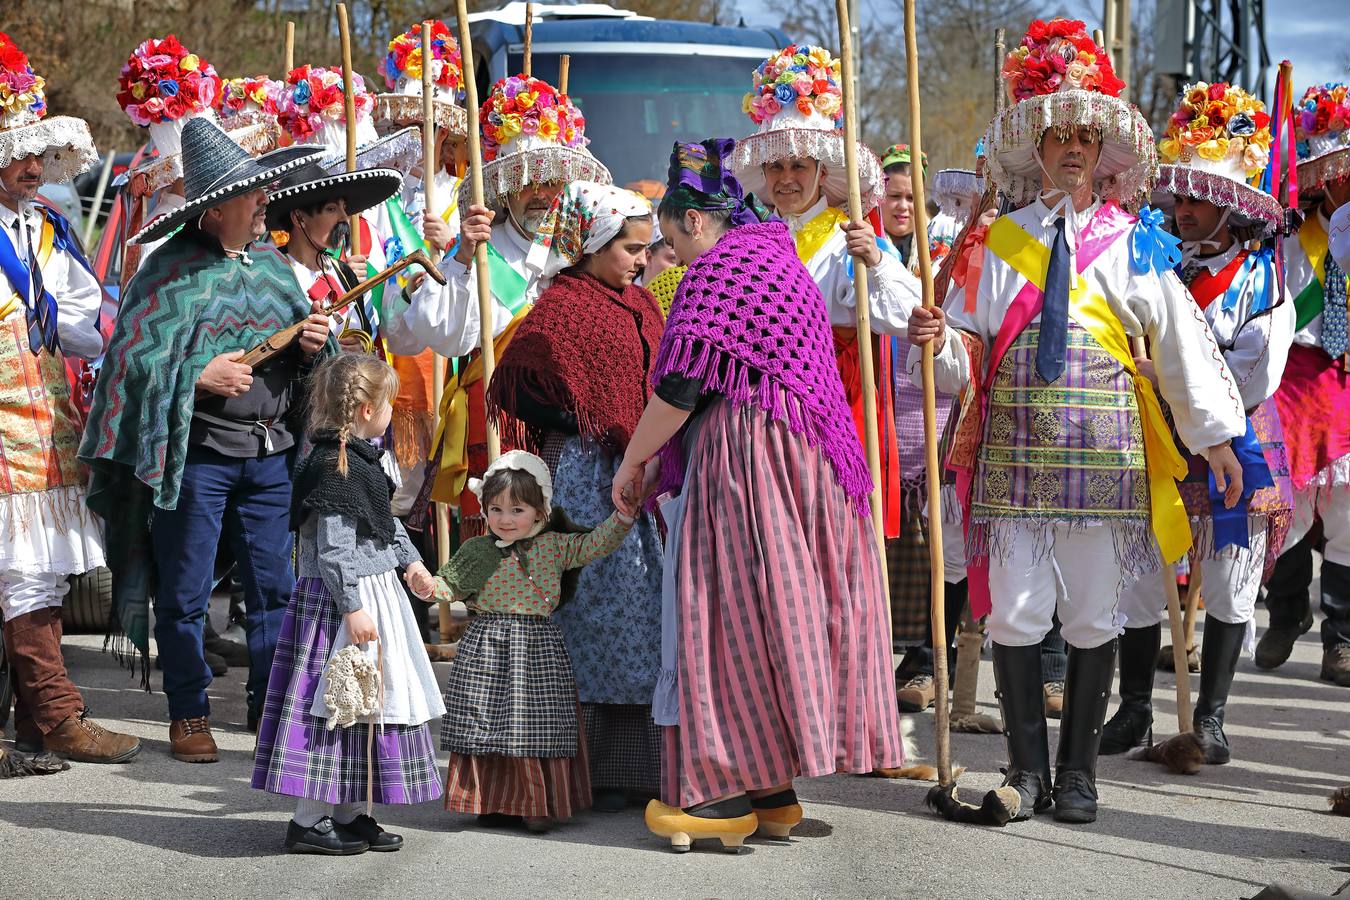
(749, 322)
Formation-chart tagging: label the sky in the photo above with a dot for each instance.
(1302, 39)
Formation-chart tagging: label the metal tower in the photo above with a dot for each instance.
(1213, 40)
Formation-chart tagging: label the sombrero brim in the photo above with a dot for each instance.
(1129, 159)
(1251, 206)
(361, 190)
(248, 175)
(766, 147)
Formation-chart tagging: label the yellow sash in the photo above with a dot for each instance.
(452, 431)
(1312, 237)
(454, 201)
(815, 233)
(1030, 258)
(44, 253)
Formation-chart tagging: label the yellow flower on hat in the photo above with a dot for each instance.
(190, 63)
(548, 129)
(525, 99)
(1214, 150)
(414, 66)
(138, 90)
(1169, 149)
(511, 125)
(1198, 95)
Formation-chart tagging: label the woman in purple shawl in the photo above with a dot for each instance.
(775, 660)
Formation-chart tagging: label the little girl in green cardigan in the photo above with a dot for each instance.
(511, 724)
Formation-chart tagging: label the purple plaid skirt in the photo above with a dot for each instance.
(297, 755)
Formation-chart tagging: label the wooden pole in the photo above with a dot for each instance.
(936, 573)
(856, 213)
(1000, 51)
(529, 39)
(289, 58)
(349, 98)
(480, 259)
(1193, 597)
(564, 70)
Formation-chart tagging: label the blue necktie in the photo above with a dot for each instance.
(1333, 311)
(40, 315)
(1054, 331)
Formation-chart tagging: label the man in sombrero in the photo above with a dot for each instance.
(183, 440)
(1067, 462)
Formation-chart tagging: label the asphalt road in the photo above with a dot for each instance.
(158, 828)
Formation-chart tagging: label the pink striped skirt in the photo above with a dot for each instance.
(784, 662)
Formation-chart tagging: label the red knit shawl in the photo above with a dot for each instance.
(586, 348)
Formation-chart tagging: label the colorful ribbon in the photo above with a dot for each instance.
(1152, 248)
(1230, 525)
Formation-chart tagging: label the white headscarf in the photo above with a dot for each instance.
(583, 219)
(532, 466)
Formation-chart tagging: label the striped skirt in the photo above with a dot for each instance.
(552, 787)
(784, 662)
(298, 755)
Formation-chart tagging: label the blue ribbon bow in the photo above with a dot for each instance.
(1152, 248)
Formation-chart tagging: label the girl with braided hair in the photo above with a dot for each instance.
(347, 593)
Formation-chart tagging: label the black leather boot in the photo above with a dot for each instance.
(1132, 725)
(1218, 661)
(1017, 674)
(1087, 689)
(1289, 603)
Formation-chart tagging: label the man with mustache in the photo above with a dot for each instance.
(184, 437)
(1064, 457)
(534, 143)
(1218, 217)
(49, 305)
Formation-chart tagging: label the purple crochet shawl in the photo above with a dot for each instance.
(748, 305)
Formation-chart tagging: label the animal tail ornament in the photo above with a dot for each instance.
(1180, 754)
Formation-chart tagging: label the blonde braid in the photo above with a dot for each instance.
(339, 386)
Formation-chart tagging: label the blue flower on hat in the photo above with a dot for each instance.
(302, 92)
(785, 94)
(168, 87)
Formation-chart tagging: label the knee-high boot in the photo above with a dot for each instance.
(1218, 661)
(1087, 688)
(1017, 673)
(1132, 725)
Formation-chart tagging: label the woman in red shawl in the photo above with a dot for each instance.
(572, 385)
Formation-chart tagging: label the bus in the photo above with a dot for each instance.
(642, 83)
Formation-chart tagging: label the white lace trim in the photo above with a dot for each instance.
(827, 147)
(510, 173)
(49, 532)
(64, 142)
(1335, 475)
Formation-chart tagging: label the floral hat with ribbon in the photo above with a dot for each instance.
(402, 71)
(532, 134)
(1060, 78)
(1217, 145)
(63, 142)
(249, 106)
(798, 104)
(1322, 127)
(162, 86)
(312, 109)
(896, 154)
(583, 219)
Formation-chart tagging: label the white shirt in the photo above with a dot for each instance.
(1192, 376)
(413, 198)
(892, 293)
(1255, 345)
(307, 277)
(77, 293)
(446, 318)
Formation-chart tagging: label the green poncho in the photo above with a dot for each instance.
(188, 304)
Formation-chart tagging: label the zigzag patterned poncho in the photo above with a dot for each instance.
(188, 304)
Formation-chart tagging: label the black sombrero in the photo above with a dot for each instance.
(216, 169)
(311, 185)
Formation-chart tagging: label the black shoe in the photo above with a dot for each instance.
(252, 720)
(610, 801)
(368, 830)
(1021, 698)
(1275, 646)
(326, 838)
(1087, 688)
(234, 653)
(500, 820)
(1213, 741)
(1336, 665)
(1289, 603)
(1132, 725)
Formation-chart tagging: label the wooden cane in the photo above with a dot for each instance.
(349, 102)
(856, 213)
(1193, 597)
(529, 39)
(564, 69)
(1174, 614)
(480, 257)
(288, 58)
(936, 573)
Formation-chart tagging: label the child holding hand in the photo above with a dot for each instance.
(350, 547)
(511, 726)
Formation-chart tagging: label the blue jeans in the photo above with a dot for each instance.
(250, 499)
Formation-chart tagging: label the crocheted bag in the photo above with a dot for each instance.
(353, 687)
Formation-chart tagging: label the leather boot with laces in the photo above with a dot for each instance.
(1219, 658)
(1132, 725)
(1017, 674)
(1087, 690)
(190, 741)
(82, 739)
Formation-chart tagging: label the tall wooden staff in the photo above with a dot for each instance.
(856, 213)
(529, 39)
(564, 70)
(480, 257)
(289, 58)
(937, 583)
(349, 101)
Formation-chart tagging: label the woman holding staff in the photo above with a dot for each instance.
(774, 646)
